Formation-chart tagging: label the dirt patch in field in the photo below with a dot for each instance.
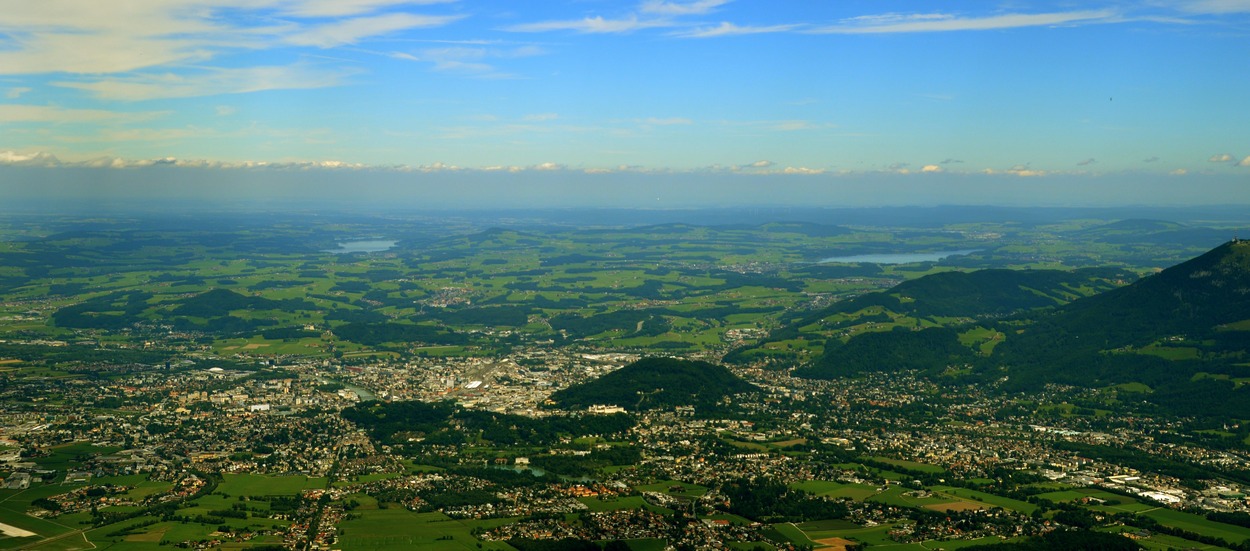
(15, 532)
(958, 506)
(835, 544)
(153, 536)
(254, 346)
(788, 443)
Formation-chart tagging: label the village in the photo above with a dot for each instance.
(887, 446)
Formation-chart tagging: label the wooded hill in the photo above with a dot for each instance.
(945, 299)
(656, 383)
(1184, 333)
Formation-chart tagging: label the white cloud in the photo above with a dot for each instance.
(592, 25)
(802, 170)
(540, 117)
(225, 110)
(28, 159)
(1179, 172)
(95, 38)
(209, 82)
(730, 29)
(929, 169)
(681, 8)
(340, 8)
(16, 92)
(469, 61)
(351, 31)
(1244, 162)
(908, 23)
(18, 113)
(1025, 171)
(1221, 158)
(94, 53)
(548, 166)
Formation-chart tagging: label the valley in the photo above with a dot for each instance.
(541, 382)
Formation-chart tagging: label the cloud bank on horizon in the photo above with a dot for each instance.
(743, 87)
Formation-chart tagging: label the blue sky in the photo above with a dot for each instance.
(1108, 93)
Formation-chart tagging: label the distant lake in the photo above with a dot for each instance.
(897, 258)
(370, 246)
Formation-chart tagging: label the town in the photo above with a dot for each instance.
(885, 449)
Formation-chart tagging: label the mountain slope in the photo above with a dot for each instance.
(942, 299)
(1162, 330)
(1184, 333)
(653, 383)
(1197, 300)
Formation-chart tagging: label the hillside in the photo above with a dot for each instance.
(1184, 333)
(988, 293)
(655, 383)
(1164, 330)
(942, 299)
(929, 350)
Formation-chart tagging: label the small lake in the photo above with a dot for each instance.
(897, 258)
(368, 246)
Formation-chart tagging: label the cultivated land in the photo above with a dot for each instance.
(225, 382)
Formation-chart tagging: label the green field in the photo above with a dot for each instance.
(259, 485)
(666, 487)
(399, 529)
(899, 495)
(1199, 525)
(912, 465)
(989, 499)
(822, 488)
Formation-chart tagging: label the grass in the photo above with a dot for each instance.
(400, 529)
(253, 485)
(835, 490)
(688, 490)
(1199, 525)
(912, 465)
(597, 505)
(898, 495)
(792, 533)
(989, 499)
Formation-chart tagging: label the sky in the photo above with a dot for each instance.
(647, 102)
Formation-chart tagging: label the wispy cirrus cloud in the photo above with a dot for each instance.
(681, 8)
(339, 8)
(650, 14)
(593, 25)
(730, 29)
(470, 60)
(934, 22)
(99, 38)
(210, 81)
(18, 113)
(351, 31)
